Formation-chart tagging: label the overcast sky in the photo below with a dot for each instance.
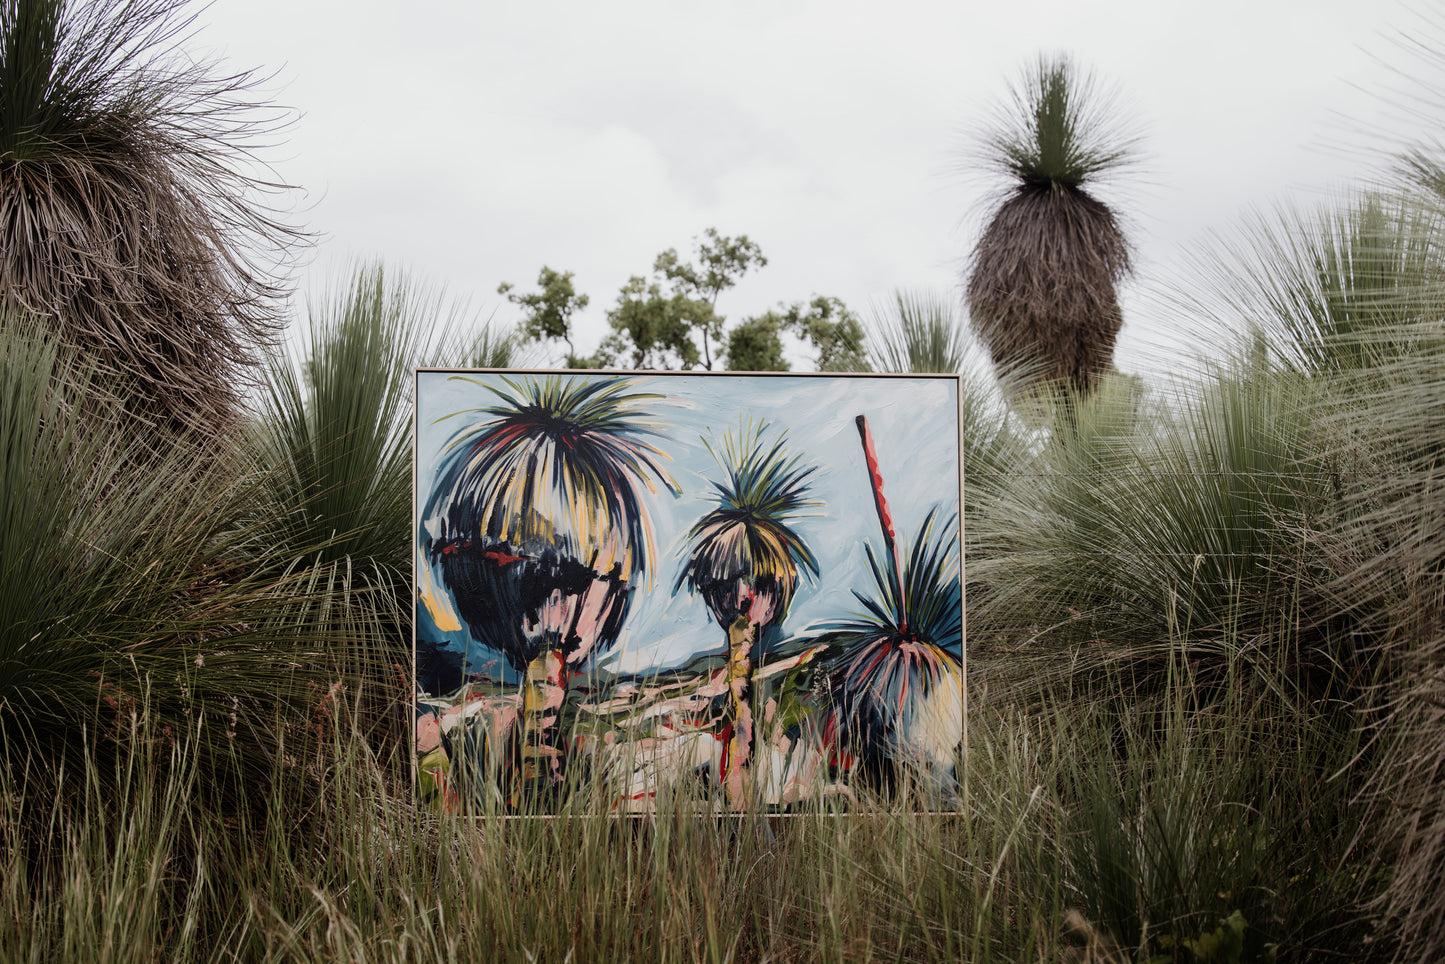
(471, 143)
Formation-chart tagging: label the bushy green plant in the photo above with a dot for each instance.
(119, 581)
(332, 437)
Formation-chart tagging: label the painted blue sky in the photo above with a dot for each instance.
(914, 422)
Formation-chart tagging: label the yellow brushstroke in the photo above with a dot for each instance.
(437, 605)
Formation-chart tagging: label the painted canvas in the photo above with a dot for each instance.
(741, 589)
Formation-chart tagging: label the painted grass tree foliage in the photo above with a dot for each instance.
(132, 213)
(1042, 277)
(537, 529)
(895, 679)
(921, 331)
(896, 685)
(744, 561)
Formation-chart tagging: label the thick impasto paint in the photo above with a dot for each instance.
(740, 589)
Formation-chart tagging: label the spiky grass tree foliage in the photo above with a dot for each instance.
(131, 213)
(745, 554)
(332, 441)
(918, 332)
(1141, 535)
(1336, 291)
(1352, 302)
(331, 450)
(121, 593)
(1400, 581)
(896, 687)
(1041, 281)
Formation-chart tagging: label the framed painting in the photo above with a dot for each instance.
(734, 590)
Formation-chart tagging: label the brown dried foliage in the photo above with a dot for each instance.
(1041, 287)
(132, 218)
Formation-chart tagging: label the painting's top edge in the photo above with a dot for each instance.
(650, 373)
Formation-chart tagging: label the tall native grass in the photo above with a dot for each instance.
(1086, 831)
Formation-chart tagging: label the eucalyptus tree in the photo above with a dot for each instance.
(1042, 278)
(547, 312)
(135, 215)
(670, 320)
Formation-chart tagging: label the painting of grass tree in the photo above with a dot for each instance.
(686, 585)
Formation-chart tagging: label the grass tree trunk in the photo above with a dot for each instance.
(543, 694)
(738, 745)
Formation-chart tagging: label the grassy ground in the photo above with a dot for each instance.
(1090, 832)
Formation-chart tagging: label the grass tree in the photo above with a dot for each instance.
(132, 213)
(1041, 281)
(918, 331)
(744, 562)
(896, 685)
(330, 446)
(134, 599)
(538, 530)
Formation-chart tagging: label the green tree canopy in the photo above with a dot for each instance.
(670, 319)
(547, 312)
(825, 323)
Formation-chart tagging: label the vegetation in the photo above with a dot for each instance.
(1042, 276)
(548, 311)
(672, 321)
(133, 214)
(918, 332)
(1205, 632)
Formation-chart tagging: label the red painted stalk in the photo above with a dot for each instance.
(885, 518)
